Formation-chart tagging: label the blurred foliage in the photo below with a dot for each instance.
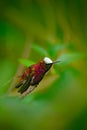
(29, 31)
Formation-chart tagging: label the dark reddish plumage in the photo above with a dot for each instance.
(32, 76)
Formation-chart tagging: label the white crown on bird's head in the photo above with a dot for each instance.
(49, 61)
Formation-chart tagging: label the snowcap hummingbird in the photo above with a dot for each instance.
(33, 75)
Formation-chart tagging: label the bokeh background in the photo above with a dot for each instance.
(29, 31)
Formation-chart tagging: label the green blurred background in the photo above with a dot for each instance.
(29, 31)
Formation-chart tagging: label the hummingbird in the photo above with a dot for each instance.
(32, 76)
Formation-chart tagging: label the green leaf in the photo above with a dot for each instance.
(54, 50)
(68, 58)
(39, 50)
(26, 62)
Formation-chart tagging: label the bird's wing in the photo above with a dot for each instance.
(19, 84)
(25, 86)
(26, 82)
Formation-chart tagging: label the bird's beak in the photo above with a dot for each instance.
(54, 62)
